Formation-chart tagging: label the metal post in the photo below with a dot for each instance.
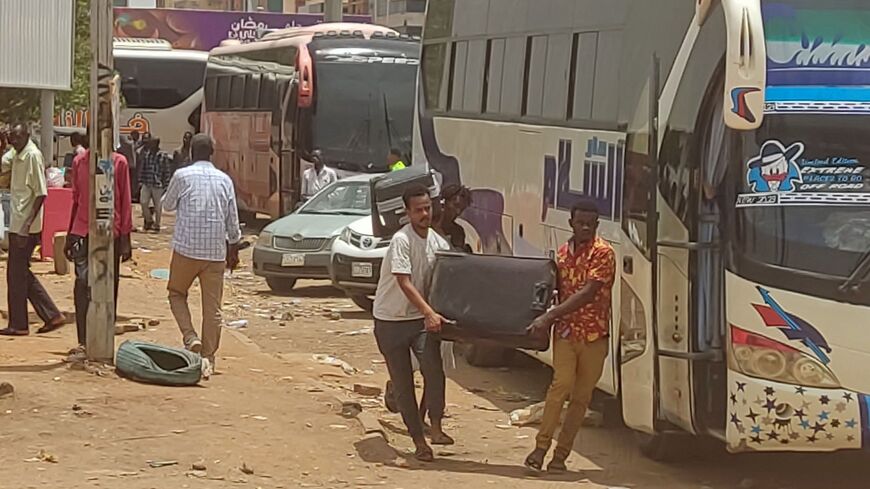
(332, 11)
(46, 126)
(101, 272)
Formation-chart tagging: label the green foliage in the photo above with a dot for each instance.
(22, 105)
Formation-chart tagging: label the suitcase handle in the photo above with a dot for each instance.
(541, 297)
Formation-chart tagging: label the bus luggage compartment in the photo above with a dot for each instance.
(492, 299)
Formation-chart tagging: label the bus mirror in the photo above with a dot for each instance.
(745, 64)
(306, 83)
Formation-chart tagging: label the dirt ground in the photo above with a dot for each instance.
(276, 416)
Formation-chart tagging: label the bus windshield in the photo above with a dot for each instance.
(364, 106)
(804, 201)
(341, 198)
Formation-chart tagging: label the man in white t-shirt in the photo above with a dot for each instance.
(317, 178)
(404, 321)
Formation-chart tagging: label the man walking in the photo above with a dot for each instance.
(76, 248)
(404, 321)
(586, 267)
(28, 191)
(154, 174)
(206, 240)
(317, 178)
(181, 156)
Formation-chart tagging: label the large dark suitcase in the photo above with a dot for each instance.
(492, 299)
(388, 210)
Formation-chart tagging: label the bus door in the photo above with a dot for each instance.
(289, 165)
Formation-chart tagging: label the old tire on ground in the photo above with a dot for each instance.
(281, 285)
(157, 364)
(364, 302)
(486, 356)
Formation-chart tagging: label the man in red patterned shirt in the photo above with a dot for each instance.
(581, 321)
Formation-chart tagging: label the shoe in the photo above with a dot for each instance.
(194, 346)
(14, 332)
(557, 465)
(390, 398)
(207, 369)
(52, 325)
(535, 460)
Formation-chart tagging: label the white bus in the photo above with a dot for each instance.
(162, 90)
(723, 143)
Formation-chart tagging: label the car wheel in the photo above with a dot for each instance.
(281, 285)
(364, 302)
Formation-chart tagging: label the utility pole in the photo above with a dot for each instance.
(333, 11)
(101, 265)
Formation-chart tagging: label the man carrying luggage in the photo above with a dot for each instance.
(405, 322)
(586, 266)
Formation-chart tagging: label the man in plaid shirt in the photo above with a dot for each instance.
(155, 170)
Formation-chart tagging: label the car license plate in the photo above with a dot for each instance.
(361, 270)
(293, 260)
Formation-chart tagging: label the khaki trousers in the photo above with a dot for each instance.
(182, 272)
(577, 366)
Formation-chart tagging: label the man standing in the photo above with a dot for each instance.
(394, 160)
(404, 321)
(154, 174)
(76, 248)
(28, 191)
(206, 240)
(181, 156)
(586, 266)
(317, 178)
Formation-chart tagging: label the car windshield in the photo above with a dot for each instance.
(340, 198)
(805, 197)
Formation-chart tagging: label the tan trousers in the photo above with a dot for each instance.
(577, 366)
(182, 272)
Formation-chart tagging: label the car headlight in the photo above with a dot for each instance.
(345, 235)
(759, 356)
(265, 239)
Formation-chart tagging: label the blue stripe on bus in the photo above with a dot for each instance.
(865, 421)
(818, 94)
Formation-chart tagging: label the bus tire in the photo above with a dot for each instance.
(247, 217)
(281, 285)
(364, 302)
(664, 447)
(484, 356)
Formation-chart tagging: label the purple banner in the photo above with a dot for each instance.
(205, 29)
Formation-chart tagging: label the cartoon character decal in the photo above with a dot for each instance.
(775, 169)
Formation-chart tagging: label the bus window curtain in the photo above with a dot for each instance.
(714, 166)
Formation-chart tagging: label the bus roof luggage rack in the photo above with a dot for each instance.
(140, 43)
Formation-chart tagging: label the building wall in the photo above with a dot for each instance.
(406, 16)
(351, 7)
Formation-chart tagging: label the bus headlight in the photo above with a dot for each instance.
(762, 357)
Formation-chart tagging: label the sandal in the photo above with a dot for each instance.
(535, 460)
(442, 439)
(14, 332)
(424, 454)
(51, 326)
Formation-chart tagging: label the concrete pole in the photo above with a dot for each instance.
(101, 265)
(46, 124)
(333, 11)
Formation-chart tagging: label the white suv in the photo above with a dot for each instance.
(356, 262)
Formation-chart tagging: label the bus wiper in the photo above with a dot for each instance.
(387, 121)
(856, 278)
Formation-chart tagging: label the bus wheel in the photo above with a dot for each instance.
(488, 356)
(364, 302)
(247, 217)
(281, 285)
(665, 447)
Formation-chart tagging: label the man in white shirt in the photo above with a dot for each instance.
(317, 178)
(206, 240)
(404, 321)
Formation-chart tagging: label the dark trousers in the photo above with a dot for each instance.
(22, 285)
(396, 340)
(82, 291)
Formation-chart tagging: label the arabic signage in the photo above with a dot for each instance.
(79, 118)
(782, 175)
(204, 29)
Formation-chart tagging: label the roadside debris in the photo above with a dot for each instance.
(246, 470)
(156, 464)
(6, 389)
(356, 332)
(240, 324)
(43, 456)
(336, 362)
(351, 409)
(200, 466)
(533, 414)
(367, 390)
(127, 328)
